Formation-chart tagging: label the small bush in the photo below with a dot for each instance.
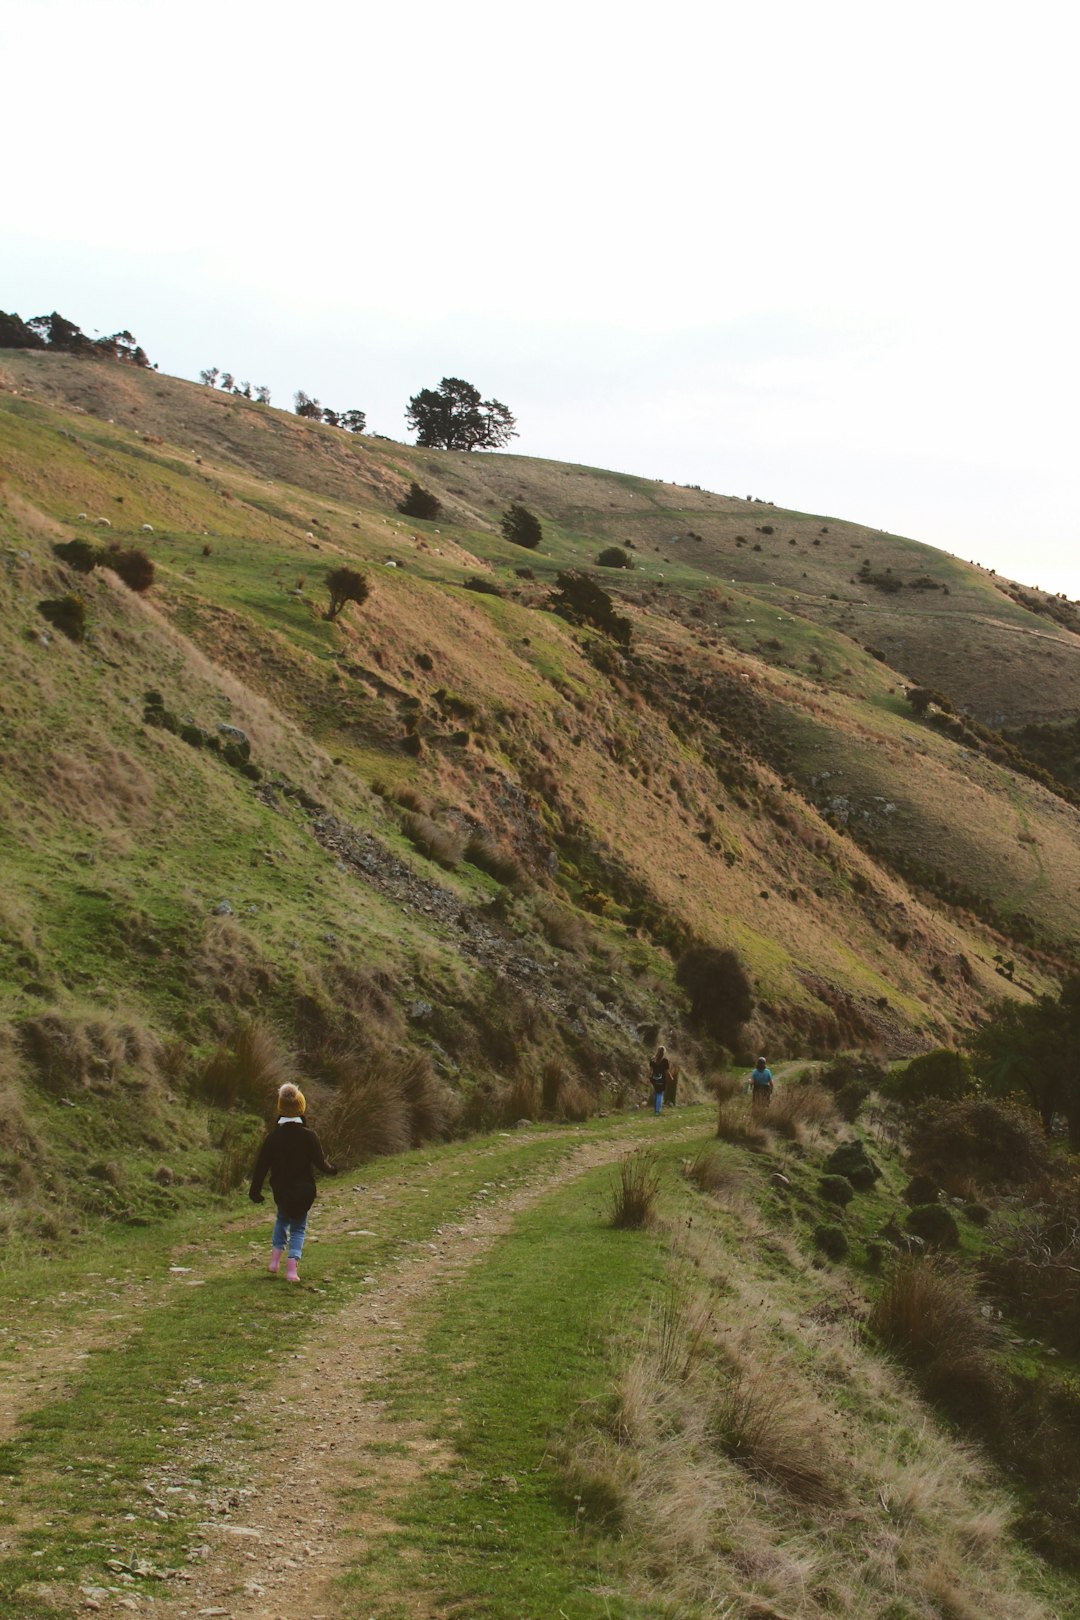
(851, 1080)
(836, 1190)
(481, 583)
(79, 554)
(130, 564)
(979, 1140)
(851, 1159)
(1033, 1268)
(66, 614)
(921, 1190)
(614, 557)
(714, 1173)
(634, 1193)
(521, 527)
(442, 844)
(719, 989)
(942, 1075)
(935, 1224)
(831, 1240)
(420, 503)
(345, 585)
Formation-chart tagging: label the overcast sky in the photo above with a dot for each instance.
(824, 254)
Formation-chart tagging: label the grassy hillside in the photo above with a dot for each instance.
(458, 824)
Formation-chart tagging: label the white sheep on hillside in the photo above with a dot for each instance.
(148, 528)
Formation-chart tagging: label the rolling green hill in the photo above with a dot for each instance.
(455, 822)
(441, 857)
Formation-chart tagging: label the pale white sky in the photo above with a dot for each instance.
(825, 254)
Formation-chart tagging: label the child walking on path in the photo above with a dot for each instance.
(290, 1155)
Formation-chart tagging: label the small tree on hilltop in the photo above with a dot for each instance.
(305, 406)
(227, 380)
(262, 394)
(420, 503)
(580, 600)
(131, 565)
(15, 334)
(721, 998)
(521, 526)
(454, 417)
(345, 585)
(614, 557)
(353, 421)
(209, 376)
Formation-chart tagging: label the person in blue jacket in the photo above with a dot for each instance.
(761, 1085)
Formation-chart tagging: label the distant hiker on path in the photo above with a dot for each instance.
(290, 1155)
(761, 1085)
(659, 1076)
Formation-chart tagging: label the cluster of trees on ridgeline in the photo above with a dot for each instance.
(452, 416)
(57, 333)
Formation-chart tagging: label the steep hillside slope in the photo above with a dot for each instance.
(745, 773)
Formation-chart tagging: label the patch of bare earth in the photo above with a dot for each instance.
(277, 1549)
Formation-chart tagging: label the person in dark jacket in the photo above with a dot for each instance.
(290, 1155)
(659, 1076)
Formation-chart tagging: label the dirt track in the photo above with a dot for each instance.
(277, 1550)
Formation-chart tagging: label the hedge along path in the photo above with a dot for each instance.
(282, 1554)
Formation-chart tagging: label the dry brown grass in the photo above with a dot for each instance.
(247, 1070)
(384, 1102)
(927, 1315)
(799, 1110)
(71, 1050)
(764, 1423)
(439, 842)
(562, 928)
(635, 1189)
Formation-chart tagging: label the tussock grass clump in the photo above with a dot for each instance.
(796, 1109)
(765, 1426)
(1033, 1268)
(710, 1171)
(239, 1144)
(562, 928)
(677, 1333)
(635, 1190)
(487, 856)
(73, 1052)
(928, 1317)
(440, 843)
(246, 1070)
(384, 1102)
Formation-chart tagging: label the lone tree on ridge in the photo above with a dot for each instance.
(345, 585)
(454, 417)
(521, 526)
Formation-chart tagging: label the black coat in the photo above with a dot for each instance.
(290, 1155)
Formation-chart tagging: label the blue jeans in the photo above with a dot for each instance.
(289, 1230)
(658, 1100)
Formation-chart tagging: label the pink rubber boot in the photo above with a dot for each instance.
(275, 1260)
(290, 1271)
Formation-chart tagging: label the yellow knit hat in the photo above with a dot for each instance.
(290, 1099)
